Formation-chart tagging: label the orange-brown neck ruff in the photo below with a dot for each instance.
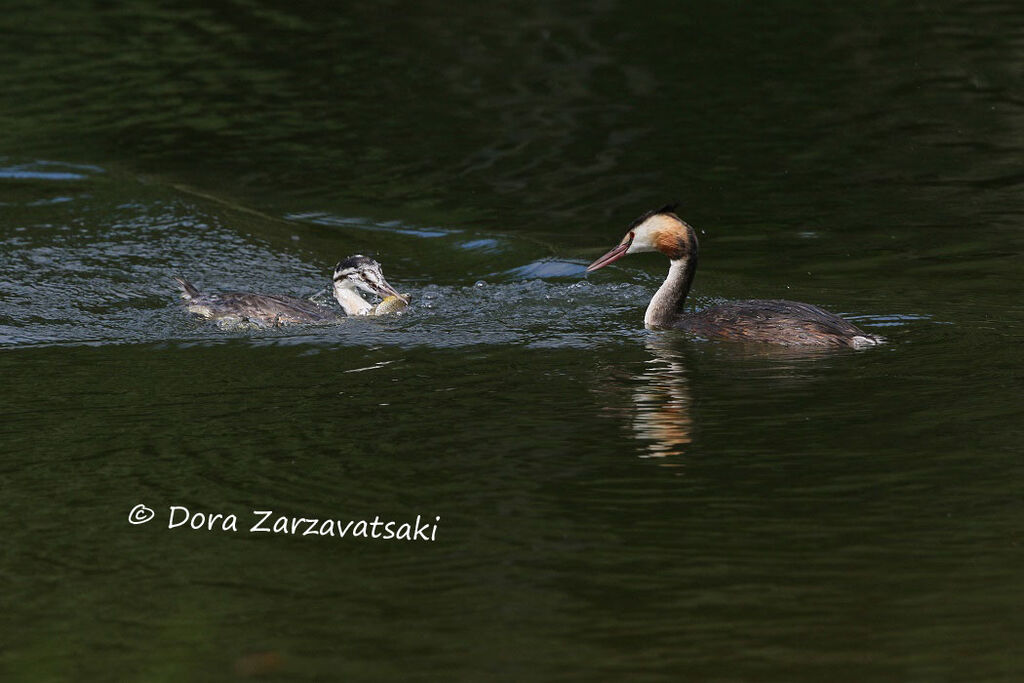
(676, 242)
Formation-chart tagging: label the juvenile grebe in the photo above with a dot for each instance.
(772, 321)
(350, 275)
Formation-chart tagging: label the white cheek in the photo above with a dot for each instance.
(640, 244)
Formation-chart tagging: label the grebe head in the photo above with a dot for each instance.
(361, 273)
(658, 230)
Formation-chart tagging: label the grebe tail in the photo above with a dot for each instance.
(188, 290)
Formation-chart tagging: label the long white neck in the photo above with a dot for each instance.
(350, 301)
(667, 302)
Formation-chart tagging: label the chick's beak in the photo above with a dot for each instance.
(385, 290)
(612, 256)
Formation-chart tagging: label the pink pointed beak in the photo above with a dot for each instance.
(612, 256)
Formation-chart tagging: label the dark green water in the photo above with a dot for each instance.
(614, 504)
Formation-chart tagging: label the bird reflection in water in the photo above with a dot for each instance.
(662, 403)
(657, 401)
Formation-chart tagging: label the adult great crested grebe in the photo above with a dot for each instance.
(350, 275)
(773, 321)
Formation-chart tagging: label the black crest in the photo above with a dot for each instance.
(668, 208)
(354, 262)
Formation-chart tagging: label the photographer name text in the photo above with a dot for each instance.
(267, 522)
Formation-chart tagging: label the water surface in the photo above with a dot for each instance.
(614, 503)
